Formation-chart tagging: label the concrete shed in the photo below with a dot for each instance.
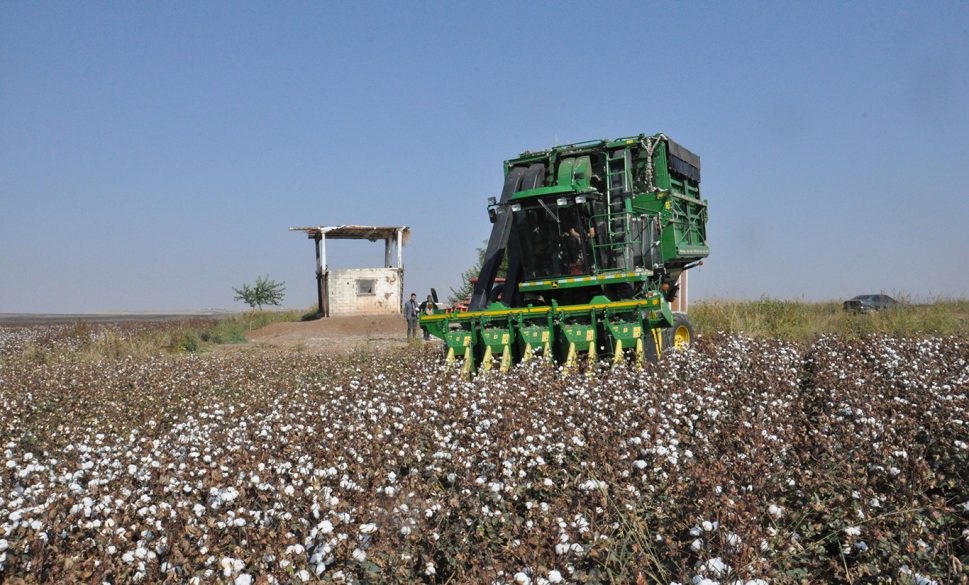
(359, 291)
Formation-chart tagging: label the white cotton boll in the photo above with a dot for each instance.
(228, 566)
(244, 579)
(368, 528)
(716, 566)
(128, 557)
(853, 531)
(289, 490)
(522, 578)
(325, 527)
(554, 577)
(697, 544)
(775, 511)
(593, 484)
(429, 569)
(304, 575)
(359, 554)
(707, 526)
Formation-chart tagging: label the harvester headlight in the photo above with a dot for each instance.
(516, 207)
(562, 201)
(580, 199)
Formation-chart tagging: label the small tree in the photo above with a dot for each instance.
(264, 292)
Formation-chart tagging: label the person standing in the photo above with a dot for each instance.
(427, 308)
(411, 313)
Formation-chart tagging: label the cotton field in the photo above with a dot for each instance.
(737, 461)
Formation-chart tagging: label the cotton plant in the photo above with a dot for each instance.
(293, 467)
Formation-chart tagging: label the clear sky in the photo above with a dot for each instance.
(152, 155)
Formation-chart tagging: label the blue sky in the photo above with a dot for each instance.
(153, 155)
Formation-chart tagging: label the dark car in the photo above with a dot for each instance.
(866, 303)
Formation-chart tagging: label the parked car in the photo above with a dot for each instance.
(866, 303)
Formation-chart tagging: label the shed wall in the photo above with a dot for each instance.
(348, 291)
(681, 302)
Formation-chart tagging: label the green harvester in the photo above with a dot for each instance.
(596, 235)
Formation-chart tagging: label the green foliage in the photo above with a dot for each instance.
(464, 291)
(263, 292)
(186, 341)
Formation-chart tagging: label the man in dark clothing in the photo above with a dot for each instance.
(411, 313)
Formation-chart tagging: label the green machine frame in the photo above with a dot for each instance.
(596, 235)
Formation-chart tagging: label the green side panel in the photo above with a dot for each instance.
(458, 340)
(627, 329)
(582, 173)
(536, 331)
(497, 337)
(499, 331)
(583, 335)
(565, 171)
(535, 335)
(685, 236)
(661, 173)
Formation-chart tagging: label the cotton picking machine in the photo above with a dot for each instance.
(596, 235)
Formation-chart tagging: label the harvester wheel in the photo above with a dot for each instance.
(682, 331)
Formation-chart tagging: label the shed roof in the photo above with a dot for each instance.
(353, 232)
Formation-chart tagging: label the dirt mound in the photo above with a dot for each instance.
(335, 332)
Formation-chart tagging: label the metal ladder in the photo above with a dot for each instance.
(617, 188)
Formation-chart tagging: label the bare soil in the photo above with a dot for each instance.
(335, 334)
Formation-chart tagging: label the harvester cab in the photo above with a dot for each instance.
(596, 235)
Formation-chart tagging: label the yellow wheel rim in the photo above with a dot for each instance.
(681, 337)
